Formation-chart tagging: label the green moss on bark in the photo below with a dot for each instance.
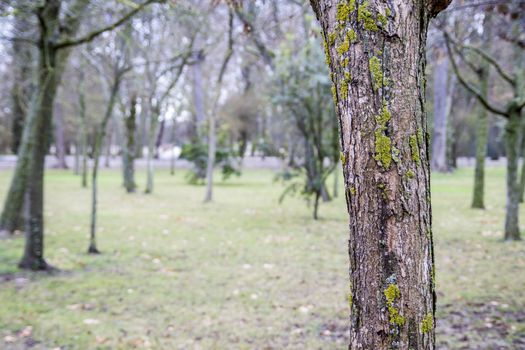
(428, 323)
(376, 71)
(392, 293)
(344, 10)
(414, 148)
(365, 16)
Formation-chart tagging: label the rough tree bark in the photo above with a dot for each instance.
(512, 147)
(376, 54)
(439, 140)
(482, 125)
(128, 156)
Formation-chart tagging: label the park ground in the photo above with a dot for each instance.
(243, 272)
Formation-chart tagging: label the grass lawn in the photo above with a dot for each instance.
(242, 272)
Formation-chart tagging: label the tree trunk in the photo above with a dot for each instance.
(522, 175)
(439, 140)
(160, 135)
(128, 156)
(108, 142)
(482, 126)
(512, 143)
(376, 53)
(99, 138)
(32, 157)
(21, 89)
(154, 119)
(76, 164)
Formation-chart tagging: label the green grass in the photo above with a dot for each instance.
(242, 272)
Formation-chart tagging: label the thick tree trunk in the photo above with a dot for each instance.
(482, 126)
(439, 140)
(33, 152)
(376, 52)
(512, 143)
(128, 156)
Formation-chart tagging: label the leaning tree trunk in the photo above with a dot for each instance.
(21, 89)
(482, 126)
(439, 140)
(512, 143)
(376, 53)
(97, 144)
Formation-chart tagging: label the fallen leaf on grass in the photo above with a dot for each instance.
(91, 321)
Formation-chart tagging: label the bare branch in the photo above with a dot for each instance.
(229, 51)
(507, 77)
(470, 87)
(90, 36)
(266, 54)
(18, 39)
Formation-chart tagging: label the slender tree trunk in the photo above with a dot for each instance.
(160, 135)
(84, 155)
(522, 176)
(128, 156)
(316, 205)
(512, 143)
(154, 119)
(108, 142)
(99, 137)
(439, 141)
(76, 164)
(376, 52)
(482, 126)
